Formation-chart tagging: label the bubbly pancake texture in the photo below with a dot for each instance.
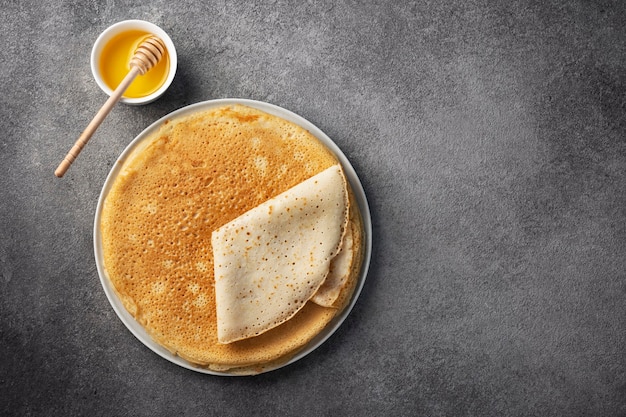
(195, 174)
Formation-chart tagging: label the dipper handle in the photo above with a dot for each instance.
(146, 56)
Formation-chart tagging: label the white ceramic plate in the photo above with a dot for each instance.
(351, 175)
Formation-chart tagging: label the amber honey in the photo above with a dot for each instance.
(115, 64)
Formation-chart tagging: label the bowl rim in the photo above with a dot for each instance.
(122, 26)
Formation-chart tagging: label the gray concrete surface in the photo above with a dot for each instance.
(491, 141)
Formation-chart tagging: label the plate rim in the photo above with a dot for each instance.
(129, 321)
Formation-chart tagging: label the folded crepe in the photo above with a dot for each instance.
(338, 274)
(274, 258)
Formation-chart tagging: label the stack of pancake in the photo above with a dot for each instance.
(232, 237)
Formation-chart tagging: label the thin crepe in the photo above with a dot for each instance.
(338, 273)
(271, 260)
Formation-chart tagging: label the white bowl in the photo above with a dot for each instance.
(126, 25)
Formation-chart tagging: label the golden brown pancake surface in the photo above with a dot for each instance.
(194, 175)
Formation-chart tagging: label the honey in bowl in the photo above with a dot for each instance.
(115, 64)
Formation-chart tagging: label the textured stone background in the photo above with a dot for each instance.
(490, 139)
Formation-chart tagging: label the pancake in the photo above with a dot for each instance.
(191, 177)
(272, 259)
(338, 273)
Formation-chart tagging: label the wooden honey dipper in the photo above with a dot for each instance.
(147, 55)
